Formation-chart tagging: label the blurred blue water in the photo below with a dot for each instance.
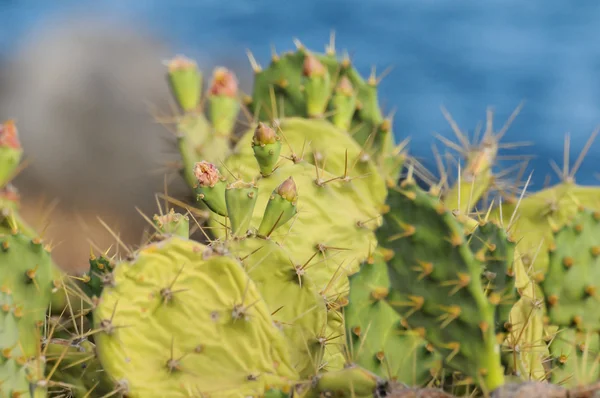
(465, 55)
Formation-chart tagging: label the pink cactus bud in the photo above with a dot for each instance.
(287, 190)
(312, 66)
(224, 83)
(207, 174)
(181, 62)
(264, 135)
(10, 193)
(345, 87)
(9, 137)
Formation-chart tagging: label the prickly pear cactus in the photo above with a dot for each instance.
(436, 284)
(377, 335)
(175, 308)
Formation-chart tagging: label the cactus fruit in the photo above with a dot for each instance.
(176, 308)
(377, 336)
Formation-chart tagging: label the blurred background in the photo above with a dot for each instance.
(81, 78)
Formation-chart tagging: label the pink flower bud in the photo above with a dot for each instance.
(312, 66)
(345, 87)
(224, 83)
(207, 174)
(9, 137)
(264, 135)
(181, 62)
(287, 190)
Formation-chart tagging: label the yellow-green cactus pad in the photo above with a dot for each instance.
(183, 321)
(293, 298)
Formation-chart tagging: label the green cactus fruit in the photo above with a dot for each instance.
(172, 224)
(344, 104)
(377, 336)
(9, 199)
(281, 207)
(436, 283)
(210, 187)
(573, 277)
(224, 102)
(183, 321)
(185, 80)
(305, 84)
(317, 86)
(240, 199)
(575, 357)
(10, 151)
(266, 145)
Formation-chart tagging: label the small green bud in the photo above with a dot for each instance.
(211, 187)
(267, 147)
(280, 208)
(344, 104)
(240, 198)
(317, 86)
(173, 224)
(186, 82)
(224, 102)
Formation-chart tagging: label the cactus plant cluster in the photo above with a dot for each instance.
(322, 269)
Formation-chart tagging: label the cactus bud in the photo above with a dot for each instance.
(317, 87)
(288, 190)
(173, 224)
(345, 87)
(240, 198)
(207, 174)
(264, 135)
(210, 188)
(186, 82)
(224, 83)
(224, 104)
(10, 151)
(280, 208)
(9, 137)
(267, 147)
(344, 104)
(312, 67)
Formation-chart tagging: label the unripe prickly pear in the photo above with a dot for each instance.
(10, 151)
(224, 104)
(210, 188)
(186, 82)
(282, 206)
(267, 147)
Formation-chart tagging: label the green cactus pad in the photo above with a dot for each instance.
(436, 283)
(575, 357)
(532, 223)
(379, 342)
(572, 283)
(182, 321)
